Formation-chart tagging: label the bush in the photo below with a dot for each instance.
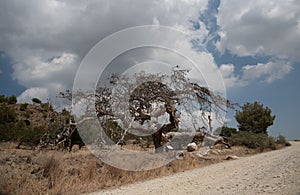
(47, 106)
(12, 100)
(9, 100)
(7, 114)
(23, 107)
(253, 140)
(227, 131)
(282, 140)
(36, 100)
(27, 114)
(254, 118)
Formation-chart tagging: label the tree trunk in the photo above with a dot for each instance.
(157, 136)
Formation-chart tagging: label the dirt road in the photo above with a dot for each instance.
(275, 172)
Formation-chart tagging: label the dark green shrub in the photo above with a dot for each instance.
(271, 143)
(227, 131)
(27, 114)
(7, 114)
(3, 99)
(36, 100)
(12, 100)
(45, 115)
(253, 140)
(282, 140)
(9, 100)
(254, 117)
(23, 107)
(31, 135)
(47, 106)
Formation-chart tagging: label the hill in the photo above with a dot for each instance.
(27, 124)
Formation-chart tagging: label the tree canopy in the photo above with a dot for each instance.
(254, 117)
(142, 102)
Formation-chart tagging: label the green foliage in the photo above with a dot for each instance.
(227, 131)
(254, 118)
(36, 100)
(47, 106)
(3, 99)
(23, 107)
(282, 140)
(253, 140)
(113, 130)
(27, 114)
(7, 114)
(24, 134)
(12, 100)
(31, 135)
(67, 115)
(9, 100)
(20, 126)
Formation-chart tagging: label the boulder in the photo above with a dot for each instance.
(191, 147)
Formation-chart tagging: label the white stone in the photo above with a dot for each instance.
(191, 147)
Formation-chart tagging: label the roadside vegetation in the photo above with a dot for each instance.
(52, 171)
(253, 121)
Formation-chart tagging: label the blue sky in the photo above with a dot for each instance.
(255, 45)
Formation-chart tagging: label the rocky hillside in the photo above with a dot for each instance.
(27, 123)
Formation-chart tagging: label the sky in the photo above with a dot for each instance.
(255, 46)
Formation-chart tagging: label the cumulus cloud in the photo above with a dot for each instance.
(35, 92)
(230, 79)
(270, 71)
(47, 77)
(260, 28)
(34, 70)
(48, 39)
(266, 72)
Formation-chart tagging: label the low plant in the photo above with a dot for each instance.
(253, 140)
(282, 140)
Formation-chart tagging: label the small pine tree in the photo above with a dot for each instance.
(254, 117)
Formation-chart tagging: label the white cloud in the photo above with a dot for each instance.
(230, 79)
(37, 71)
(260, 28)
(45, 79)
(270, 71)
(36, 92)
(47, 39)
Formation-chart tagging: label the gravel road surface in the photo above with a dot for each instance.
(275, 172)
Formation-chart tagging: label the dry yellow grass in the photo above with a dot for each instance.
(54, 172)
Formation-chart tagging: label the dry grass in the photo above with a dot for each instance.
(53, 172)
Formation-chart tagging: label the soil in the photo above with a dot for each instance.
(60, 172)
(275, 172)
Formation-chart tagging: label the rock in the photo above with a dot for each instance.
(191, 147)
(231, 157)
(169, 147)
(180, 155)
(75, 148)
(203, 151)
